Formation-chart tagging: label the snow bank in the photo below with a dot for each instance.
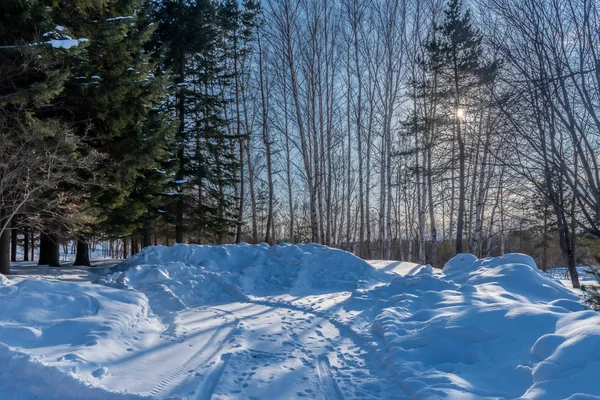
(192, 275)
(40, 313)
(496, 327)
(24, 377)
(55, 334)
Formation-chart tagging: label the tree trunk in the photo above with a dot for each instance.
(32, 246)
(421, 195)
(43, 254)
(368, 245)
(54, 252)
(432, 227)
(238, 232)
(356, 22)
(83, 253)
(349, 244)
(567, 246)
(483, 188)
(13, 242)
(5, 252)
(545, 240)
(382, 192)
(251, 189)
(238, 121)
(26, 244)
(180, 176)
(125, 250)
(49, 250)
(147, 240)
(460, 218)
(267, 143)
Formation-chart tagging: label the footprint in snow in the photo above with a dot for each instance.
(100, 372)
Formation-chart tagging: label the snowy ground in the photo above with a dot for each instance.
(585, 277)
(282, 322)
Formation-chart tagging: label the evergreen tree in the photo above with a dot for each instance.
(456, 56)
(113, 102)
(591, 293)
(194, 61)
(37, 150)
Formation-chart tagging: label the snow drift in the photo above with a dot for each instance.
(75, 326)
(496, 328)
(183, 275)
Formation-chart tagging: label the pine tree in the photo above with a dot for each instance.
(591, 293)
(113, 102)
(203, 204)
(37, 150)
(456, 54)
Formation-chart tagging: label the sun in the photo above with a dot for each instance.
(460, 113)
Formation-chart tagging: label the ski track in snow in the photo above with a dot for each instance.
(260, 344)
(331, 391)
(240, 349)
(170, 383)
(205, 391)
(308, 338)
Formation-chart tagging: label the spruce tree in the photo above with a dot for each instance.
(591, 293)
(36, 149)
(113, 102)
(456, 55)
(202, 204)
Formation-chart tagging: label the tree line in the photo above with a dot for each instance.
(390, 128)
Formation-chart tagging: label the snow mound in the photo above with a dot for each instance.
(183, 275)
(75, 326)
(24, 377)
(174, 286)
(40, 313)
(495, 327)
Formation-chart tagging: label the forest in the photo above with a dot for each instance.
(393, 129)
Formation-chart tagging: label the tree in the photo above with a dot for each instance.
(458, 44)
(37, 150)
(111, 102)
(553, 80)
(194, 59)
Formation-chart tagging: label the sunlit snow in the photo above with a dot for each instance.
(294, 321)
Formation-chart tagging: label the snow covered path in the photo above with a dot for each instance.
(294, 321)
(240, 350)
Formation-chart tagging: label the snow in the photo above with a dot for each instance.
(397, 267)
(497, 327)
(121, 18)
(585, 277)
(55, 334)
(240, 270)
(65, 43)
(289, 321)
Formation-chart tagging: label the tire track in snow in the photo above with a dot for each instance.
(362, 341)
(180, 374)
(331, 390)
(209, 383)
